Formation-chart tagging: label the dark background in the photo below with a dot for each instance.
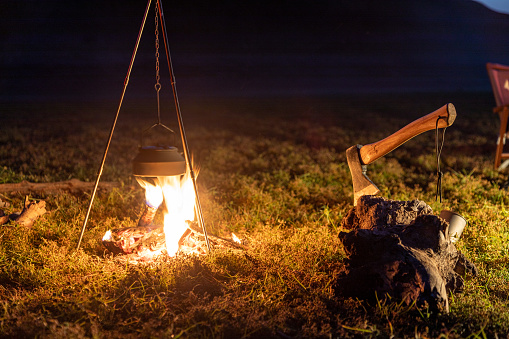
(80, 50)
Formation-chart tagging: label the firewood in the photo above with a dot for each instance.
(144, 243)
(147, 216)
(72, 186)
(135, 239)
(31, 211)
(3, 218)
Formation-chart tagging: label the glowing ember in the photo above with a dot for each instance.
(236, 239)
(107, 236)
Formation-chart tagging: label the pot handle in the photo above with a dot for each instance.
(154, 126)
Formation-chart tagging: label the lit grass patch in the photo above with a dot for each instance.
(275, 174)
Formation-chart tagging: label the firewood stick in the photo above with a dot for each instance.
(4, 219)
(31, 212)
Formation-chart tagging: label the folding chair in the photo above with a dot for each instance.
(499, 77)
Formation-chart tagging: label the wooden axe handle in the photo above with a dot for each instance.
(371, 152)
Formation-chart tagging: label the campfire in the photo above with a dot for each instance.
(180, 232)
(175, 196)
(160, 169)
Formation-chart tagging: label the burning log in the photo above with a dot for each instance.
(177, 197)
(399, 249)
(31, 211)
(147, 216)
(135, 240)
(145, 243)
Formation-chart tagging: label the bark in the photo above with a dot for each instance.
(399, 249)
(72, 186)
(135, 239)
(379, 212)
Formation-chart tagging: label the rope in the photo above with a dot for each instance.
(439, 147)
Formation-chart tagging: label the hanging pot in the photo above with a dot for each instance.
(158, 161)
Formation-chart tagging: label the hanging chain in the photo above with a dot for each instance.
(157, 86)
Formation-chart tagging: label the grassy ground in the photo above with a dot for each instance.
(274, 172)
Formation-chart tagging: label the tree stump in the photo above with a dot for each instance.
(399, 249)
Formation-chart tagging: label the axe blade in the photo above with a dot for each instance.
(362, 185)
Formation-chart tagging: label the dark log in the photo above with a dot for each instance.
(399, 249)
(72, 186)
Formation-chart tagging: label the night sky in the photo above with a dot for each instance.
(81, 50)
(501, 6)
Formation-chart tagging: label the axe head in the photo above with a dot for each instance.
(361, 183)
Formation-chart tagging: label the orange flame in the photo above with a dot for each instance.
(177, 193)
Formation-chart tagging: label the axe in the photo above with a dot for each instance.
(359, 156)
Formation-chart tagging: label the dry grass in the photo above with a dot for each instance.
(272, 171)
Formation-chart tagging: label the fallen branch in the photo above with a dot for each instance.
(31, 211)
(3, 218)
(72, 186)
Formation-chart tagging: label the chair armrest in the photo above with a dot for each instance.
(500, 108)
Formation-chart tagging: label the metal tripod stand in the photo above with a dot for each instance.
(198, 210)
